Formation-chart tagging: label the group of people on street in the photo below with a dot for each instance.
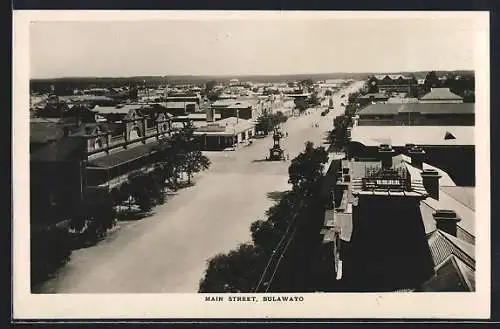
(315, 125)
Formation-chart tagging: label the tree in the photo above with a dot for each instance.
(431, 81)
(300, 210)
(264, 124)
(213, 95)
(209, 86)
(301, 104)
(372, 86)
(237, 271)
(144, 189)
(307, 83)
(306, 170)
(50, 248)
(195, 162)
(314, 101)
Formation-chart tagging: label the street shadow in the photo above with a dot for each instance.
(275, 195)
(259, 160)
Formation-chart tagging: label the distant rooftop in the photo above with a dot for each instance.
(441, 94)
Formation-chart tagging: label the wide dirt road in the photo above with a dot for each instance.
(167, 252)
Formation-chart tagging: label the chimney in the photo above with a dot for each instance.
(430, 179)
(446, 220)
(417, 155)
(386, 152)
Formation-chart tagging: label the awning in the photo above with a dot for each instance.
(121, 157)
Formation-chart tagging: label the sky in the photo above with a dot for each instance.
(249, 46)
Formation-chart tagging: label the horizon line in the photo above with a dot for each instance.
(241, 75)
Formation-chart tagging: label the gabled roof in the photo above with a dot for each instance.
(442, 245)
(441, 94)
(452, 275)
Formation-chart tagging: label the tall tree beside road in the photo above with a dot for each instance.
(306, 170)
(267, 122)
(314, 100)
(301, 104)
(294, 222)
(144, 189)
(340, 124)
(181, 153)
(195, 162)
(237, 271)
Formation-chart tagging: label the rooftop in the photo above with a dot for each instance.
(119, 109)
(412, 107)
(124, 156)
(419, 135)
(441, 94)
(228, 126)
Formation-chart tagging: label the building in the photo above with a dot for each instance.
(417, 114)
(441, 95)
(398, 224)
(184, 98)
(90, 100)
(77, 164)
(393, 82)
(451, 148)
(372, 98)
(226, 108)
(225, 133)
(181, 108)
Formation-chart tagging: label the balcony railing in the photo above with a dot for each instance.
(121, 141)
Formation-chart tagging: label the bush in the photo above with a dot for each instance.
(50, 249)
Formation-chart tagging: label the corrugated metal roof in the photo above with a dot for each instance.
(441, 94)
(452, 275)
(424, 108)
(115, 159)
(442, 245)
(419, 135)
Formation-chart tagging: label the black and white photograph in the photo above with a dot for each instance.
(232, 164)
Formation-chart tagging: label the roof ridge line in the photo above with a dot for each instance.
(456, 198)
(454, 244)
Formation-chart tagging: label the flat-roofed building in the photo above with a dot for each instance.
(451, 148)
(417, 114)
(243, 109)
(225, 133)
